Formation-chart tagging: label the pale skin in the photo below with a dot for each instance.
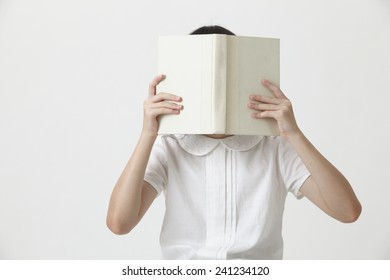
(327, 188)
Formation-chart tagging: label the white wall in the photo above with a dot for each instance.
(74, 74)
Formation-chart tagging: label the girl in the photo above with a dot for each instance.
(225, 194)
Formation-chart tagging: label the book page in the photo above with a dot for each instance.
(250, 59)
(187, 62)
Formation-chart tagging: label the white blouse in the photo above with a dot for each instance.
(224, 197)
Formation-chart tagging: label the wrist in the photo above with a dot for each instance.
(148, 135)
(295, 136)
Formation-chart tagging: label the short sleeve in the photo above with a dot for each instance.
(156, 170)
(294, 171)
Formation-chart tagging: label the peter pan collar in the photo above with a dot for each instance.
(200, 145)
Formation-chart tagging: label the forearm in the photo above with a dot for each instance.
(125, 202)
(334, 188)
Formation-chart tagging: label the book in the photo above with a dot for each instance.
(215, 74)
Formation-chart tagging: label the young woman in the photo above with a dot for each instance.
(225, 194)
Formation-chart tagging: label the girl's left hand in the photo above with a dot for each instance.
(277, 107)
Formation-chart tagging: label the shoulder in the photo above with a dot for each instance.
(167, 144)
(278, 143)
(276, 149)
(166, 139)
(163, 146)
(272, 144)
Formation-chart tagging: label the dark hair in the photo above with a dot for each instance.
(212, 29)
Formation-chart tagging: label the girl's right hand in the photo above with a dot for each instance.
(158, 104)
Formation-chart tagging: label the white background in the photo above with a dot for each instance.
(74, 74)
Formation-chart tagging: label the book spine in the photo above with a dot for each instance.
(219, 84)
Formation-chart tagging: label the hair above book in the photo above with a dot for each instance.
(212, 29)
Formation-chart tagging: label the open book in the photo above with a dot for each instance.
(215, 74)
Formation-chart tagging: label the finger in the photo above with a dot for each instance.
(152, 86)
(273, 88)
(265, 99)
(164, 111)
(265, 114)
(165, 96)
(169, 105)
(264, 107)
